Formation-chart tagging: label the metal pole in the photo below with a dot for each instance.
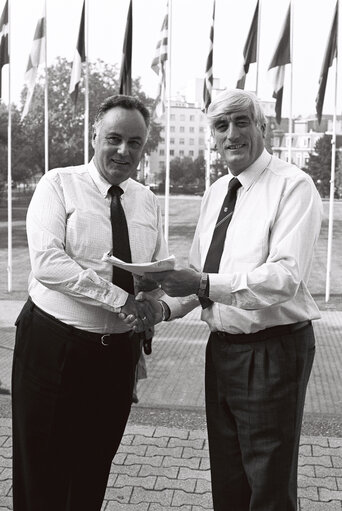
(168, 116)
(291, 81)
(86, 92)
(257, 51)
(9, 163)
(46, 105)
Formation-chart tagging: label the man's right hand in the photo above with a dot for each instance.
(141, 312)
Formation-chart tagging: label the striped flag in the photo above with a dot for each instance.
(79, 57)
(37, 57)
(330, 54)
(4, 56)
(250, 49)
(281, 57)
(208, 78)
(125, 79)
(158, 65)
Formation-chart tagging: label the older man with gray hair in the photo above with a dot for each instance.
(249, 268)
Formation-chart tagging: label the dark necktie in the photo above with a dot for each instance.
(121, 248)
(213, 259)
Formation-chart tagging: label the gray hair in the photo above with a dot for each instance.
(236, 100)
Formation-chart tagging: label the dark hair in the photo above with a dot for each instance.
(127, 102)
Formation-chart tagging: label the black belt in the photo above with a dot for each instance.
(262, 335)
(104, 339)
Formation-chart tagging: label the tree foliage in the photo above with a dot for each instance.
(319, 166)
(66, 126)
(187, 174)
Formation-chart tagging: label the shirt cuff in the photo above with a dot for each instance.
(220, 288)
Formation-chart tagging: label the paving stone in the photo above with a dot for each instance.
(305, 450)
(127, 439)
(147, 482)
(196, 499)
(158, 507)
(5, 503)
(181, 462)
(122, 495)
(189, 452)
(327, 495)
(335, 442)
(157, 441)
(162, 497)
(119, 458)
(198, 433)
(336, 461)
(202, 486)
(309, 505)
(325, 461)
(339, 483)
(320, 482)
(307, 470)
(5, 487)
(314, 440)
(130, 470)
(147, 470)
(325, 472)
(205, 464)
(171, 432)
(175, 452)
(326, 451)
(155, 461)
(139, 450)
(172, 484)
(186, 473)
(116, 506)
(5, 462)
(195, 443)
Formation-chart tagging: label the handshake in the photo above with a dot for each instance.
(143, 311)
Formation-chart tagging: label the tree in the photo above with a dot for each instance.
(65, 124)
(319, 166)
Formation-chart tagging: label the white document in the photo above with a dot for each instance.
(141, 268)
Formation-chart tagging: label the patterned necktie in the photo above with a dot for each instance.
(121, 248)
(213, 259)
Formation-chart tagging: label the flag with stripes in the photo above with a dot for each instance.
(330, 54)
(79, 57)
(37, 57)
(281, 57)
(250, 49)
(208, 77)
(4, 56)
(158, 66)
(125, 79)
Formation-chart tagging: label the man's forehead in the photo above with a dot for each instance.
(233, 114)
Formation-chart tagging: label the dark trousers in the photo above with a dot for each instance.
(71, 400)
(254, 402)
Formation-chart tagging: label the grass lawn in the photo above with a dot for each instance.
(183, 215)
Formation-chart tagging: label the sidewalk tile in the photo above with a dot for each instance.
(194, 499)
(147, 470)
(187, 485)
(327, 495)
(162, 497)
(309, 505)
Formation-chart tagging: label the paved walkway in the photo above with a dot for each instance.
(160, 468)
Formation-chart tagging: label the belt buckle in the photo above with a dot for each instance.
(103, 341)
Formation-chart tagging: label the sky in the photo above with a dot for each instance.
(190, 26)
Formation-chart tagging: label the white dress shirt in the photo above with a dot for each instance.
(266, 261)
(69, 229)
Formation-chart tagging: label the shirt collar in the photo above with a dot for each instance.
(101, 183)
(252, 173)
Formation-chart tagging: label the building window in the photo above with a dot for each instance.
(172, 152)
(191, 153)
(161, 165)
(201, 129)
(181, 153)
(201, 152)
(192, 117)
(161, 152)
(172, 140)
(191, 141)
(201, 141)
(181, 129)
(172, 117)
(192, 129)
(181, 141)
(182, 117)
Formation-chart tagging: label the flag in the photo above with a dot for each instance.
(125, 79)
(79, 57)
(4, 56)
(208, 78)
(158, 66)
(37, 57)
(250, 49)
(281, 57)
(330, 54)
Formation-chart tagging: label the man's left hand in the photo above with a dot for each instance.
(182, 282)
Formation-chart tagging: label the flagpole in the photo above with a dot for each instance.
(86, 92)
(9, 161)
(332, 189)
(46, 106)
(257, 51)
(167, 127)
(291, 81)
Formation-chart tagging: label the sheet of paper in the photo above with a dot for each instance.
(141, 268)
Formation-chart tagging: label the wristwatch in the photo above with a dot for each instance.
(166, 313)
(203, 290)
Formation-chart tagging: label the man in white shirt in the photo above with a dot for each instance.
(255, 300)
(75, 358)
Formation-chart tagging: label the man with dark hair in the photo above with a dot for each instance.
(75, 358)
(249, 268)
